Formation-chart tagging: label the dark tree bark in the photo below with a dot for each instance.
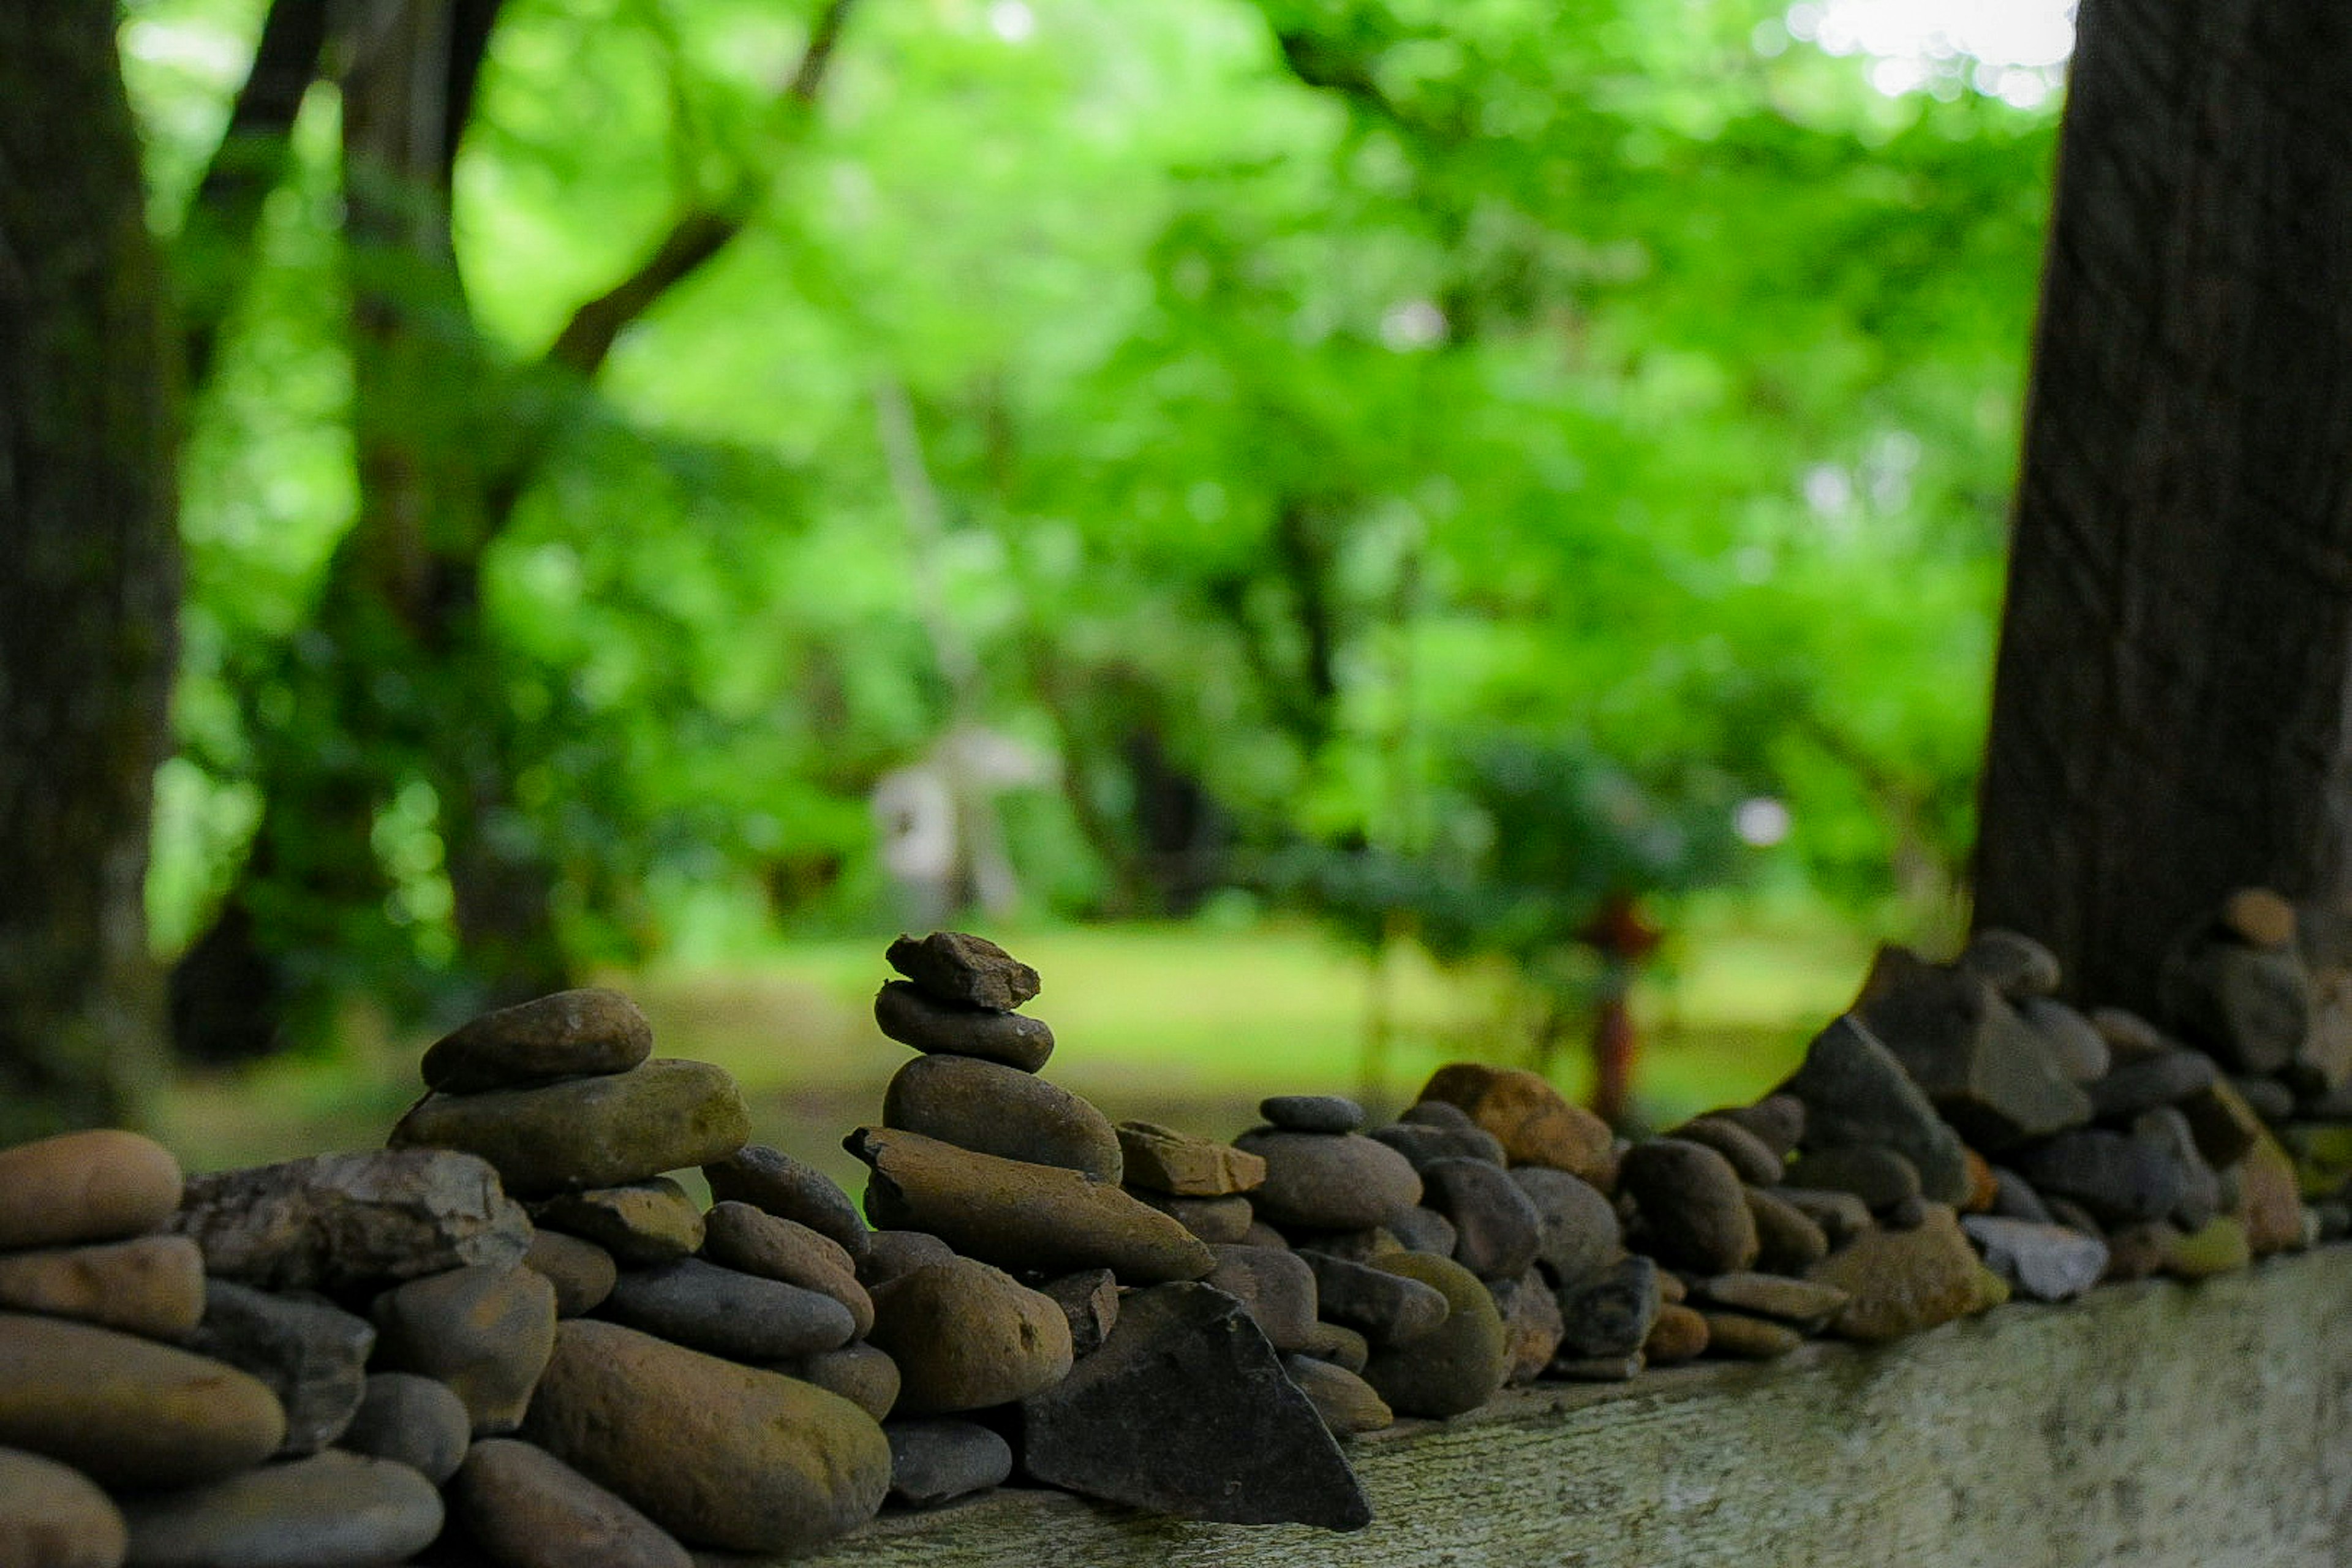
(91, 591)
(2172, 712)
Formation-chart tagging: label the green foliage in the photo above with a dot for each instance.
(1352, 422)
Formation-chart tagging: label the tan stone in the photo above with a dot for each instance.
(966, 1336)
(2268, 1204)
(1536, 1125)
(1679, 1334)
(1184, 1166)
(1901, 1282)
(53, 1516)
(151, 1285)
(130, 1412)
(85, 1186)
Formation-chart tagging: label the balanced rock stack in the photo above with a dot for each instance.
(1021, 1288)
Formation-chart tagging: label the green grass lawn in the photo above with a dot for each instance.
(1186, 1024)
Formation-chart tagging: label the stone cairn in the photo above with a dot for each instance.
(510, 1338)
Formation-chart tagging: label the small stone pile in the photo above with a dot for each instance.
(514, 1337)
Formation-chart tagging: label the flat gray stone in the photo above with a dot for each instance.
(727, 1312)
(570, 1033)
(310, 1353)
(331, 1510)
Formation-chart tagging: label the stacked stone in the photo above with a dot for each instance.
(671, 1378)
(1023, 1287)
(188, 1345)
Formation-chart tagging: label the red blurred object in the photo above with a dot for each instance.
(1623, 940)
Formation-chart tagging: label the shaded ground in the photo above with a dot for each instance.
(1178, 1025)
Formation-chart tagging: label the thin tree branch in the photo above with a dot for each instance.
(216, 233)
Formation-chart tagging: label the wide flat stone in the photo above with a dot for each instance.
(53, 1516)
(1872, 1173)
(738, 1236)
(1384, 1306)
(905, 1015)
(570, 1033)
(1787, 1240)
(1186, 1410)
(1312, 1112)
(992, 1109)
(311, 1354)
(1757, 1166)
(727, 1312)
(1807, 1303)
(967, 1336)
(965, 970)
(2144, 1083)
(486, 1332)
(2120, 1180)
(74, 1187)
(1020, 1216)
(330, 1510)
(589, 1132)
(1217, 1221)
(773, 1181)
(1423, 1142)
(127, 1411)
(337, 1221)
(530, 1509)
(717, 1453)
(151, 1285)
(1326, 1181)
(1855, 1092)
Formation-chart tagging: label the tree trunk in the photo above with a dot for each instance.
(90, 594)
(2174, 681)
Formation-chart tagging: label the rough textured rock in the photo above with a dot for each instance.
(1873, 1173)
(1020, 1216)
(966, 1336)
(2046, 1262)
(1348, 1405)
(581, 1271)
(2118, 1179)
(333, 1221)
(902, 1012)
(151, 1285)
(968, 970)
(485, 1331)
(1577, 1232)
(1788, 1241)
(571, 1034)
(1457, 1366)
(1181, 1165)
(891, 1253)
(1855, 1092)
(864, 1374)
(738, 1236)
(127, 1411)
(1323, 1180)
(1274, 1286)
(530, 1509)
(1387, 1307)
(1532, 1325)
(1537, 1126)
(778, 1465)
(1901, 1282)
(1186, 1410)
(1692, 1203)
(1312, 1112)
(332, 1508)
(1496, 1229)
(310, 1353)
(53, 1516)
(640, 1223)
(932, 1462)
(773, 1181)
(589, 1132)
(1982, 1067)
(1089, 1300)
(75, 1187)
(411, 1419)
(727, 1312)
(1610, 1313)
(992, 1108)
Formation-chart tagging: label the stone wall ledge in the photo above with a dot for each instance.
(2153, 1424)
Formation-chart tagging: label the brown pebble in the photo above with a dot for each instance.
(75, 1187)
(1679, 1334)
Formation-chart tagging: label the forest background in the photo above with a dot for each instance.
(1283, 512)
